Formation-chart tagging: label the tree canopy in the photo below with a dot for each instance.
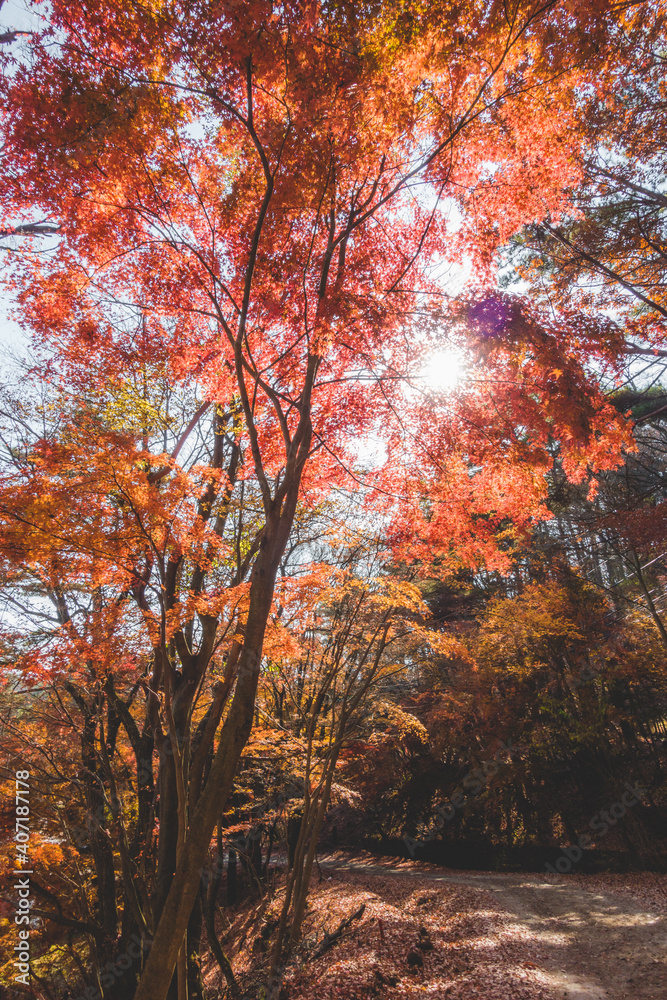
(225, 228)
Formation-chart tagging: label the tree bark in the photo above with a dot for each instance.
(184, 887)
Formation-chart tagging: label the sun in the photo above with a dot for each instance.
(443, 371)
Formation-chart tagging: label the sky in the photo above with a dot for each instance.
(13, 15)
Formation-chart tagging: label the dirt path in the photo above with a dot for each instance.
(594, 945)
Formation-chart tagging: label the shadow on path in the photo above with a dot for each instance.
(595, 945)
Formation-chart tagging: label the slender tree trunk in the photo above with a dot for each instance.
(236, 728)
(301, 897)
(176, 911)
(216, 947)
(168, 835)
(269, 847)
(649, 600)
(100, 846)
(231, 877)
(193, 937)
(209, 901)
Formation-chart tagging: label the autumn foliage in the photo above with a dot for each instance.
(226, 481)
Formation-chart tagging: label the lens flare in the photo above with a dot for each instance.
(443, 371)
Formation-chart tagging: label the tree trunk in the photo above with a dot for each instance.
(649, 600)
(236, 728)
(168, 835)
(232, 893)
(194, 936)
(176, 911)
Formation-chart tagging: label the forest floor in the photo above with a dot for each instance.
(435, 932)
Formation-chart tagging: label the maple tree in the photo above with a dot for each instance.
(607, 252)
(249, 205)
(358, 636)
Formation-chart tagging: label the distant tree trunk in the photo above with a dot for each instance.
(231, 877)
(269, 847)
(294, 823)
(194, 936)
(209, 908)
(649, 600)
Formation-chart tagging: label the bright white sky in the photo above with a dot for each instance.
(13, 14)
